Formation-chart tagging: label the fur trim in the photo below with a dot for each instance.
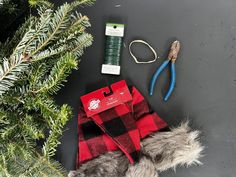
(170, 149)
(161, 151)
(112, 164)
(145, 168)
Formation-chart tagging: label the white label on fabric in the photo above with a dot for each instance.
(113, 29)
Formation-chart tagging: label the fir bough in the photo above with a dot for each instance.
(34, 65)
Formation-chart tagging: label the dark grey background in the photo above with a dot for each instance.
(206, 72)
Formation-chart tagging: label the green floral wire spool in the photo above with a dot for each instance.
(113, 47)
(113, 50)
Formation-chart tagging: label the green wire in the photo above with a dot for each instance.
(113, 50)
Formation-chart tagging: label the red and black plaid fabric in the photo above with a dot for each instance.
(120, 127)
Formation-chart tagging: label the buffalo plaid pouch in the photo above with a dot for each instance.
(116, 121)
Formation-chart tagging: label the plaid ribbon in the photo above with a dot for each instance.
(120, 127)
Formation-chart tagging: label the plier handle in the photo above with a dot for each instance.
(173, 54)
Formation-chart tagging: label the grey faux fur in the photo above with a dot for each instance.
(160, 151)
(145, 168)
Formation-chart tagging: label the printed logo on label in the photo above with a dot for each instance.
(94, 104)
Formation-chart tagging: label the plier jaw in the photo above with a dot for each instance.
(173, 54)
(174, 51)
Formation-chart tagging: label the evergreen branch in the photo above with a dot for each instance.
(31, 167)
(37, 74)
(76, 46)
(45, 105)
(3, 166)
(83, 41)
(52, 142)
(3, 117)
(26, 110)
(31, 129)
(10, 70)
(26, 38)
(14, 144)
(75, 34)
(20, 148)
(7, 5)
(58, 74)
(15, 97)
(40, 3)
(78, 24)
(50, 52)
(8, 131)
(78, 21)
(41, 27)
(11, 44)
(54, 166)
(59, 22)
(82, 3)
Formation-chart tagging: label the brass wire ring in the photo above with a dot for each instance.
(149, 46)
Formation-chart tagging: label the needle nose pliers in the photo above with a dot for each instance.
(173, 54)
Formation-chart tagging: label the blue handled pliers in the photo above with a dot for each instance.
(173, 54)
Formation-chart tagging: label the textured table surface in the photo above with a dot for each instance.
(205, 92)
